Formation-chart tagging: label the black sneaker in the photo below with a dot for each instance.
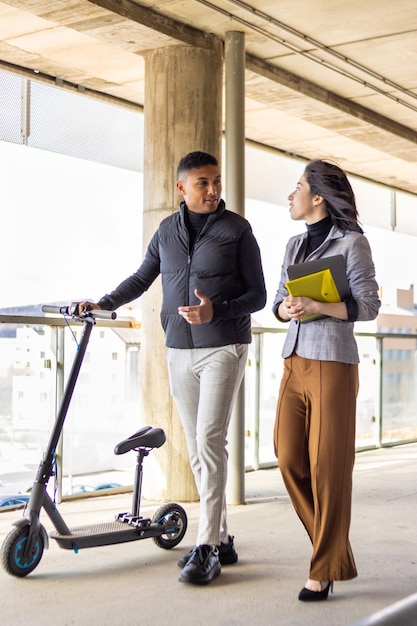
(202, 567)
(227, 554)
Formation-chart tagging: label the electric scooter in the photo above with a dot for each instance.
(23, 546)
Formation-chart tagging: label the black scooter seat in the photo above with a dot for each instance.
(146, 437)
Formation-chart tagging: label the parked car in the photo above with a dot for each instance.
(108, 486)
(13, 499)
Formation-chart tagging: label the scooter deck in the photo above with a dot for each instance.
(106, 534)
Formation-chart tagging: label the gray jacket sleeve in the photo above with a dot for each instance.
(361, 276)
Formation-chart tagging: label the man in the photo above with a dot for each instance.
(212, 280)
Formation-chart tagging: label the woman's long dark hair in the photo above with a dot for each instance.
(331, 183)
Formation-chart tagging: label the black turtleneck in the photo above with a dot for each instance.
(317, 233)
(194, 223)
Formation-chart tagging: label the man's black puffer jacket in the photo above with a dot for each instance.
(224, 265)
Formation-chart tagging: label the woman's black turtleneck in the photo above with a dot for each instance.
(317, 233)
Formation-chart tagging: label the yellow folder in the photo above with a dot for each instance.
(319, 286)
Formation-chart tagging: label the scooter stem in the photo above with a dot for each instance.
(69, 389)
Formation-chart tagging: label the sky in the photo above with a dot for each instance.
(70, 228)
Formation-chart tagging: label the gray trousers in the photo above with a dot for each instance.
(204, 384)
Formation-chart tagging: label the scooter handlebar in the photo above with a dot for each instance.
(65, 310)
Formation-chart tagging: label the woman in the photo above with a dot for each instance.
(314, 433)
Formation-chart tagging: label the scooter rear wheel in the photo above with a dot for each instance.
(13, 557)
(164, 515)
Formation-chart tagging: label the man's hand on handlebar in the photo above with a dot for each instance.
(79, 308)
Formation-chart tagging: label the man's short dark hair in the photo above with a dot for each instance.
(194, 160)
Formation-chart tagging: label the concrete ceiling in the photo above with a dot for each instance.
(333, 79)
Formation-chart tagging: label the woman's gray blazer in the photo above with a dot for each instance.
(330, 339)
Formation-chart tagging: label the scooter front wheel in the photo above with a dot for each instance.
(13, 552)
(174, 520)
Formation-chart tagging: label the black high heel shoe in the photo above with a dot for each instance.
(306, 595)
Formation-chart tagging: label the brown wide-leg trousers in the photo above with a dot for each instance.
(314, 440)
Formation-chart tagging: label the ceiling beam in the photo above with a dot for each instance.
(158, 22)
(62, 83)
(307, 88)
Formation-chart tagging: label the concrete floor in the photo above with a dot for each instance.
(136, 584)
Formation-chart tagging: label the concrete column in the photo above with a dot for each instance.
(183, 100)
